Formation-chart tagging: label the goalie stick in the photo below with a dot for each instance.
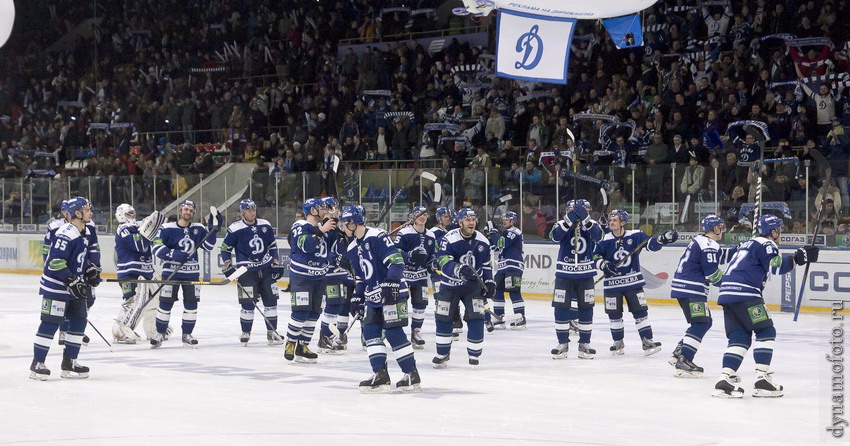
(227, 280)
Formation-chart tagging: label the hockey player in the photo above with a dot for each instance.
(255, 246)
(507, 246)
(307, 269)
(574, 295)
(64, 292)
(417, 244)
(445, 223)
(744, 312)
(380, 297)
(467, 276)
(177, 244)
(697, 269)
(337, 282)
(619, 262)
(134, 262)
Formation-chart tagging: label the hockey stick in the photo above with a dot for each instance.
(235, 275)
(99, 334)
(357, 317)
(396, 195)
(759, 133)
(818, 217)
(502, 200)
(623, 260)
(438, 188)
(262, 313)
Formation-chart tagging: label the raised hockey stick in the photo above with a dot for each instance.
(99, 334)
(396, 195)
(502, 200)
(623, 260)
(818, 217)
(438, 188)
(235, 275)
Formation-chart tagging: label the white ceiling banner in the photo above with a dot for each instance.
(533, 47)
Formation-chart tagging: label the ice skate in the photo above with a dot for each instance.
(677, 353)
(618, 348)
(560, 351)
(61, 338)
(273, 338)
(329, 346)
(245, 337)
(498, 321)
(488, 325)
(304, 355)
(156, 340)
(189, 341)
(440, 361)
(343, 340)
(289, 351)
(72, 370)
(410, 382)
(378, 383)
(687, 369)
(416, 339)
(519, 324)
(765, 387)
(86, 339)
(726, 389)
(585, 352)
(650, 347)
(39, 371)
(573, 328)
(474, 361)
(457, 329)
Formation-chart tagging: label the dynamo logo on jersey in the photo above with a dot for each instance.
(533, 47)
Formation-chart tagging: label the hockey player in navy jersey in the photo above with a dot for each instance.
(507, 245)
(445, 223)
(134, 261)
(307, 269)
(619, 261)
(380, 298)
(252, 241)
(64, 290)
(744, 311)
(467, 276)
(574, 296)
(177, 244)
(338, 282)
(418, 245)
(698, 268)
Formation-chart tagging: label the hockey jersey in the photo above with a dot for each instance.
(337, 248)
(376, 259)
(255, 245)
(172, 236)
(67, 256)
(750, 268)
(409, 238)
(309, 256)
(90, 234)
(455, 249)
(133, 253)
(697, 267)
(613, 248)
(508, 248)
(588, 237)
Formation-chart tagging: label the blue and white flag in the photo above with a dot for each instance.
(533, 47)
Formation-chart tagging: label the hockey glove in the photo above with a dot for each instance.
(228, 269)
(668, 237)
(389, 292)
(418, 256)
(77, 287)
(277, 271)
(806, 254)
(580, 214)
(607, 268)
(357, 306)
(489, 290)
(465, 272)
(344, 262)
(179, 256)
(93, 275)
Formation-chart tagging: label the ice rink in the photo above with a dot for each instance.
(226, 394)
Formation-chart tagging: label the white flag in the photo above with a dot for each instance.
(533, 47)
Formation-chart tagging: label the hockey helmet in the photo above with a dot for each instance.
(329, 202)
(354, 214)
(511, 215)
(125, 214)
(621, 214)
(186, 203)
(767, 223)
(310, 204)
(246, 204)
(417, 212)
(77, 204)
(465, 213)
(709, 222)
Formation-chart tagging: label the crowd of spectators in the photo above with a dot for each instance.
(265, 78)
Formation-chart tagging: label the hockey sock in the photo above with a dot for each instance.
(562, 324)
(342, 322)
(585, 323)
(329, 317)
(517, 303)
(64, 326)
(739, 343)
(402, 349)
(763, 348)
(616, 325)
(693, 339)
(642, 324)
(163, 315)
(190, 315)
(418, 316)
(246, 316)
(43, 339)
(375, 347)
(74, 338)
(499, 304)
(444, 337)
(271, 315)
(475, 337)
(309, 327)
(296, 324)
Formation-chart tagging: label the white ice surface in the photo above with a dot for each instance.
(226, 394)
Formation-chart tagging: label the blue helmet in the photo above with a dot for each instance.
(571, 204)
(329, 202)
(511, 215)
(185, 203)
(767, 223)
(63, 208)
(464, 213)
(355, 214)
(246, 204)
(310, 204)
(584, 203)
(76, 204)
(621, 214)
(417, 212)
(709, 222)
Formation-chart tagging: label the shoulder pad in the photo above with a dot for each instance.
(68, 231)
(237, 225)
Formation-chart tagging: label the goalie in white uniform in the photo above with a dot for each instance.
(135, 261)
